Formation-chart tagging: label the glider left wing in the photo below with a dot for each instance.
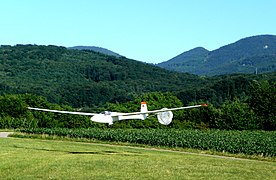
(64, 112)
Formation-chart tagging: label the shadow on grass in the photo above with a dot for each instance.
(124, 153)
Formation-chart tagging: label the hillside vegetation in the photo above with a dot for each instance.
(255, 54)
(82, 78)
(44, 76)
(87, 78)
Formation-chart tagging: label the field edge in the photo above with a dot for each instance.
(135, 145)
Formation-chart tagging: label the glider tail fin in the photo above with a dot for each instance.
(144, 107)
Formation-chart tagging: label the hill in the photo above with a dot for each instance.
(187, 61)
(82, 78)
(92, 81)
(244, 56)
(96, 49)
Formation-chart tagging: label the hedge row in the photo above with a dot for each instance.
(247, 142)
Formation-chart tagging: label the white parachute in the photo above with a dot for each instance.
(165, 117)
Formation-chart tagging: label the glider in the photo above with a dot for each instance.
(164, 115)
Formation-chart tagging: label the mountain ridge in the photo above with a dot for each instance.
(186, 61)
(96, 49)
(242, 56)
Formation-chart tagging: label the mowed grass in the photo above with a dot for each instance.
(49, 159)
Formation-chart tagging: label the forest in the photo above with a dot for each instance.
(59, 78)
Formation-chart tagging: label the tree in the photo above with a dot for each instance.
(236, 115)
(12, 105)
(263, 103)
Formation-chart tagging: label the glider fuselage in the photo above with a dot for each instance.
(110, 117)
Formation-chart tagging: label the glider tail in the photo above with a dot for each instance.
(144, 107)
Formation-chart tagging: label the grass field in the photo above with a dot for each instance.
(48, 159)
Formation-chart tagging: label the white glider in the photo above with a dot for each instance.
(164, 115)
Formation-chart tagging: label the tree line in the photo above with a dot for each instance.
(255, 113)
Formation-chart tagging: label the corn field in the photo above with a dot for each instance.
(246, 142)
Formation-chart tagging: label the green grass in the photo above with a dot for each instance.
(45, 159)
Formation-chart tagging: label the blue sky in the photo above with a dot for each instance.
(146, 30)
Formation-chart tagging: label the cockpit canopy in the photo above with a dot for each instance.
(106, 112)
